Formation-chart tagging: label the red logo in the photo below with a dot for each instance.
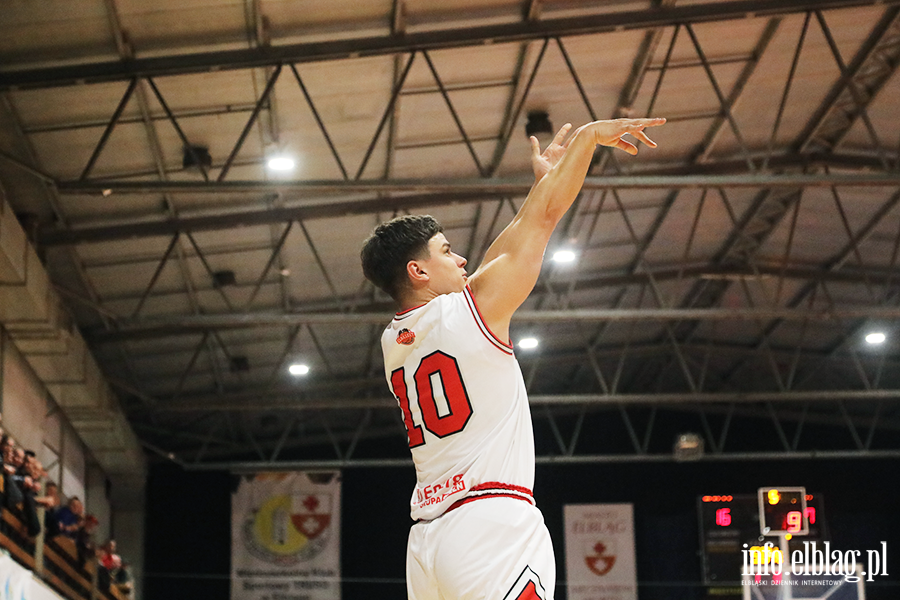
(601, 563)
(406, 337)
(310, 522)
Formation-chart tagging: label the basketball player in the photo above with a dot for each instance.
(449, 363)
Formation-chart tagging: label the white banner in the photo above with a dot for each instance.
(600, 563)
(18, 583)
(285, 537)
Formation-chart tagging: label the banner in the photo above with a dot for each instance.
(285, 537)
(600, 563)
(18, 583)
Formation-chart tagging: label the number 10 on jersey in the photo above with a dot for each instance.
(436, 369)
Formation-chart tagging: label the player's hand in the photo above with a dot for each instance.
(542, 162)
(609, 133)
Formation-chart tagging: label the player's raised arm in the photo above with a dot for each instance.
(513, 262)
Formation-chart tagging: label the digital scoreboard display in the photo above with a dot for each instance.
(730, 525)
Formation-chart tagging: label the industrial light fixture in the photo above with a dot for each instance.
(298, 369)
(539, 126)
(528, 343)
(563, 256)
(281, 163)
(239, 364)
(196, 156)
(875, 338)
(688, 446)
(223, 278)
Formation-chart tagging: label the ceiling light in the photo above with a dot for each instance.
(876, 337)
(528, 343)
(298, 369)
(563, 256)
(281, 162)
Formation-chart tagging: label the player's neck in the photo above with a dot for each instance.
(417, 298)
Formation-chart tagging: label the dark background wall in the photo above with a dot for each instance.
(189, 538)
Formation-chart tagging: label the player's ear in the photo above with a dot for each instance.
(416, 273)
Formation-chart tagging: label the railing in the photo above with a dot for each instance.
(56, 561)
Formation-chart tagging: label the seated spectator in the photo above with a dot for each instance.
(70, 517)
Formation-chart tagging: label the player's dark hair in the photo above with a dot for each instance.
(391, 246)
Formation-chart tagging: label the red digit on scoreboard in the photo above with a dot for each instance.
(794, 521)
(723, 517)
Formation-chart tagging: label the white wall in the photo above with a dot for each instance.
(73, 469)
(25, 401)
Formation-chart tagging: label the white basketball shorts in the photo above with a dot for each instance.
(489, 549)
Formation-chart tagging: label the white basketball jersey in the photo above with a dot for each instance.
(463, 402)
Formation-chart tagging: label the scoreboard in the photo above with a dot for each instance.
(730, 525)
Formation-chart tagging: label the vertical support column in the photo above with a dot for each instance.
(2, 363)
(39, 545)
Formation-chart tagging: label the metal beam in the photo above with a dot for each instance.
(193, 324)
(266, 216)
(296, 404)
(410, 42)
(293, 465)
(508, 186)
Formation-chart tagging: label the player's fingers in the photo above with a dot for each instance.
(639, 134)
(561, 135)
(626, 146)
(535, 147)
(655, 122)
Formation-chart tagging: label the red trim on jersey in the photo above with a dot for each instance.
(485, 330)
(494, 489)
(468, 499)
(496, 485)
(408, 310)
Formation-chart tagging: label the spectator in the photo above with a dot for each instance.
(7, 446)
(50, 501)
(12, 493)
(30, 473)
(4, 442)
(123, 579)
(84, 539)
(18, 458)
(70, 517)
(108, 557)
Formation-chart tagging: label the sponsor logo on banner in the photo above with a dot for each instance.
(286, 537)
(600, 560)
(286, 530)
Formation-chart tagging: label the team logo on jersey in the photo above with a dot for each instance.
(600, 563)
(406, 337)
